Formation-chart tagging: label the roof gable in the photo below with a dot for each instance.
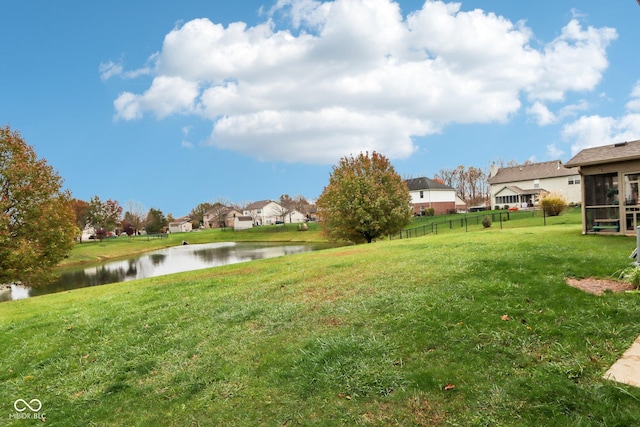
(258, 205)
(607, 154)
(424, 183)
(530, 171)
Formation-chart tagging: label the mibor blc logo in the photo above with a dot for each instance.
(28, 410)
(22, 405)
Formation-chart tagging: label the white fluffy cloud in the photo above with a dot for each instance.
(355, 75)
(593, 131)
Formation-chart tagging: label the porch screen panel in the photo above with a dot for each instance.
(601, 190)
(631, 189)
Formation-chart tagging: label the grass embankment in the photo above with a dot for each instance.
(408, 332)
(118, 247)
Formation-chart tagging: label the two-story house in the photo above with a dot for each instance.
(264, 212)
(220, 216)
(522, 185)
(427, 193)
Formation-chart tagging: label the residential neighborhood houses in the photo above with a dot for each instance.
(521, 186)
(604, 181)
(510, 187)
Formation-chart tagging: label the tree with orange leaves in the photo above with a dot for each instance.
(37, 222)
(365, 199)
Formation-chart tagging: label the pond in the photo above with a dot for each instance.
(176, 259)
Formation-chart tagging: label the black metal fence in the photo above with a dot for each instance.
(462, 221)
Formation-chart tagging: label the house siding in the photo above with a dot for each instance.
(263, 213)
(426, 193)
(525, 183)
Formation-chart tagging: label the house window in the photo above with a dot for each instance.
(421, 194)
(536, 183)
(506, 199)
(574, 180)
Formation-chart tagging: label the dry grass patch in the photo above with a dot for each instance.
(596, 286)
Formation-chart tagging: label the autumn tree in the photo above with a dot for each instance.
(365, 199)
(104, 216)
(81, 210)
(470, 183)
(37, 221)
(134, 217)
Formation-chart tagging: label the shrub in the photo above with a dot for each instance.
(631, 275)
(430, 212)
(486, 221)
(553, 204)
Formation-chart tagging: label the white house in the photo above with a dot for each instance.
(181, 226)
(427, 193)
(522, 185)
(294, 216)
(88, 233)
(264, 212)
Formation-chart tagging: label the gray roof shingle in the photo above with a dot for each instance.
(257, 205)
(423, 183)
(606, 154)
(529, 171)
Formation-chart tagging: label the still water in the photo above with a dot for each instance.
(165, 261)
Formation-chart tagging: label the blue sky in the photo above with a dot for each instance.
(171, 104)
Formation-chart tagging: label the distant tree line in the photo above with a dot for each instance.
(471, 183)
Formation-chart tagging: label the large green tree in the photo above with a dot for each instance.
(365, 199)
(37, 221)
(156, 221)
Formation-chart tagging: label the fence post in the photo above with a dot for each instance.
(500, 220)
(466, 225)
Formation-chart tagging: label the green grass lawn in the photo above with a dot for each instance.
(407, 332)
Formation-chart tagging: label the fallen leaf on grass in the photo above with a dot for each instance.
(505, 317)
(449, 387)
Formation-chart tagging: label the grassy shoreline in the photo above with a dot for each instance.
(407, 332)
(113, 248)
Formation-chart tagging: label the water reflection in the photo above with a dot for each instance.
(166, 261)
